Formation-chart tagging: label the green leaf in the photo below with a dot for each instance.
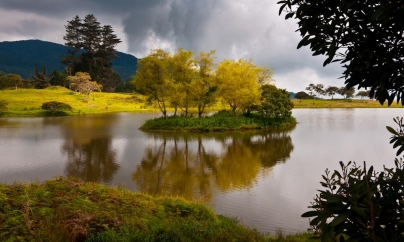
(391, 130)
(309, 214)
(282, 7)
(341, 218)
(303, 41)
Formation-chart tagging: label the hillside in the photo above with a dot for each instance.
(20, 57)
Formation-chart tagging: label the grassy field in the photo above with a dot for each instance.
(72, 210)
(341, 103)
(28, 102)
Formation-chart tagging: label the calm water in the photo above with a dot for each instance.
(265, 179)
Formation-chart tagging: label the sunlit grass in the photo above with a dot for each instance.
(28, 102)
(341, 103)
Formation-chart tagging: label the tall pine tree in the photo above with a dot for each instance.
(92, 49)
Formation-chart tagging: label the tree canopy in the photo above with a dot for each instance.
(366, 37)
(92, 49)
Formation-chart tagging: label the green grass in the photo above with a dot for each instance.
(220, 121)
(28, 102)
(341, 103)
(72, 210)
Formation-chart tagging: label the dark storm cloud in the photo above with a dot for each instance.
(236, 29)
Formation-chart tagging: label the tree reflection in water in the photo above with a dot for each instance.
(193, 164)
(88, 148)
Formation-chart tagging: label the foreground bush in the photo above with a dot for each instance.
(359, 204)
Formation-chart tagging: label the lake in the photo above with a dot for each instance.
(266, 179)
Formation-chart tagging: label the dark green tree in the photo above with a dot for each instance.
(275, 103)
(366, 37)
(303, 95)
(93, 48)
(40, 79)
(331, 91)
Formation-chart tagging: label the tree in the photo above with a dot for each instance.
(92, 49)
(366, 37)
(275, 103)
(183, 69)
(10, 81)
(331, 91)
(303, 95)
(316, 90)
(40, 79)
(238, 83)
(347, 93)
(58, 78)
(204, 87)
(362, 94)
(81, 82)
(153, 78)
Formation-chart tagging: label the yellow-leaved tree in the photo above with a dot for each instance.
(153, 78)
(183, 68)
(81, 82)
(204, 87)
(238, 83)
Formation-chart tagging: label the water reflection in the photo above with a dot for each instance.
(88, 148)
(193, 165)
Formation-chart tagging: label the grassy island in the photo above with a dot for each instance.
(220, 121)
(72, 210)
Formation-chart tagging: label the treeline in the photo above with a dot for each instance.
(320, 91)
(181, 81)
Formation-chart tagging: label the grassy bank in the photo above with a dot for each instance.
(341, 103)
(71, 210)
(220, 121)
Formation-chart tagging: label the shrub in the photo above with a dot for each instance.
(362, 205)
(55, 106)
(3, 105)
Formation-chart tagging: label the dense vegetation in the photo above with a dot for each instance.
(72, 210)
(220, 121)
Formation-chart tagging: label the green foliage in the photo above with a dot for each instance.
(303, 95)
(221, 121)
(359, 204)
(10, 81)
(366, 37)
(40, 79)
(92, 49)
(275, 103)
(3, 105)
(72, 210)
(55, 106)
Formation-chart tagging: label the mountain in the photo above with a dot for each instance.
(20, 57)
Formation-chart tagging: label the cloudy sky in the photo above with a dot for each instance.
(234, 28)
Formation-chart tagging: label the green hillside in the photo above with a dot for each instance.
(20, 57)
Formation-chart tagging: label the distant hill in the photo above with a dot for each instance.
(292, 95)
(20, 57)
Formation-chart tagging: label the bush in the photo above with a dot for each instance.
(55, 106)
(303, 95)
(275, 103)
(3, 105)
(362, 205)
